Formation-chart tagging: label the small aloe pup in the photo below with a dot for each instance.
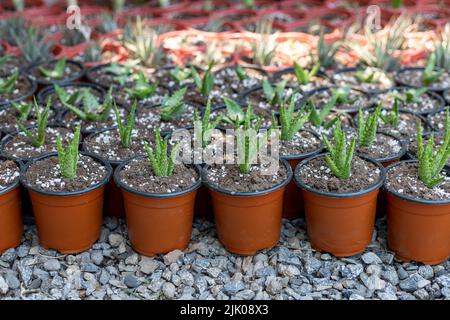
(38, 139)
(203, 127)
(340, 190)
(70, 182)
(162, 164)
(127, 130)
(430, 75)
(204, 84)
(56, 73)
(142, 88)
(7, 85)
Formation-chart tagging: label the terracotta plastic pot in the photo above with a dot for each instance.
(11, 226)
(341, 224)
(248, 221)
(158, 223)
(418, 230)
(69, 222)
(293, 201)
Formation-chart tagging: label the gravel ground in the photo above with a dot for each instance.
(292, 270)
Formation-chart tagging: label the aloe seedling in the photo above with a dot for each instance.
(290, 122)
(68, 157)
(392, 117)
(142, 89)
(340, 158)
(37, 140)
(93, 111)
(411, 95)
(431, 163)
(203, 127)
(126, 131)
(204, 84)
(326, 53)
(173, 106)
(265, 46)
(241, 74)
(397, 4)
(366, 76)
(121, 72)
(56, 73)
(235, 115)
(429, 75)
(343, 95)
(274, 95)
(367, 127)
(179, 75)
(317, 118)
(8, 85)
(66, 98)
(161, 163)
(249, 4)
(246, 142)
(23, 109)
(303, 76)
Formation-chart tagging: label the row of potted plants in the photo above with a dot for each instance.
(339, 188)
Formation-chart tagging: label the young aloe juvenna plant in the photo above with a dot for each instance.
(303, 76)
(65, 98)
(179, 75)
(343, 95)
(274, 95)
(366, 75)
(37, 140)
(392, 117)
(23, 109)
(411, 95)
(173, 106)
(340, 158)
(431, 163)
(121, 72)
(235, 115)
(162, 164)
(56, 73)
(246, 141)
(68, 157)
(429, 75)
(203, 127)
(205, 84)
(93, 111)
(126, 131)
(290, 122)
(8, 85)
(240, 72)
(367, 127)
(142, 89)
(317, 118)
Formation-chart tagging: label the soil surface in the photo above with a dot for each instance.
(413, 78)
(404, 179)
(22, 88)
(107, 145)
(229, 178)
(11, 66)
(9, 118)
(222, 112)
(358, 99)
(437, 120)
(122, 97)
(71, 70)
(316, 82)
(384, 146)
(20, 147)
(381, 82)
(303, 142)
(260, 105)
(426, 103)
(228, 77)
(45, 175)
(318, 176)
(139, 176)
(56, 104)
(149, 119)
(71, 120)
(9, 173)
(346, 122)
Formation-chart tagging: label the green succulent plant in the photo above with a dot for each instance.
(241, 74)
(23, 109)
(56, 73)
(121, 72)
(204, 84)
(326, 53)
(161, 162)
(67, 98)
(126, 131)
(367, 127)
(317, 118)
(411, 95)
(366, 75)
(235, 114)
(203, 127)
(142, 89)
(343, 95)
(8, 85)
(173, 106)
(304, 76)
(429, 74)
(432, 162)
(180, 74)
(392, 117)
(291, 122)
(275, 95)
(340, 158)
(93, 111)
(37, 140)
(68, 157)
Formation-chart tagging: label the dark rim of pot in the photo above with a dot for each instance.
(17, 182)
(372, 91)
(123, 186)
(53, 119)
(104, 181)
(308, 154)
(429, 115)
(375, 186)
(72, 77)
(45, 92)
(404, 84)
(215, 187)
(352, 110)
(25, 96)
(7, 138)
(408, 198)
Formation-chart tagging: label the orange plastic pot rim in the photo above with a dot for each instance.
(104, 181)
(408, 198)
(216, 188)
(123, 186)
(305, 187)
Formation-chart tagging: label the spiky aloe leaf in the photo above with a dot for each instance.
(68, 157)
(56, 73)
(8, 85)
